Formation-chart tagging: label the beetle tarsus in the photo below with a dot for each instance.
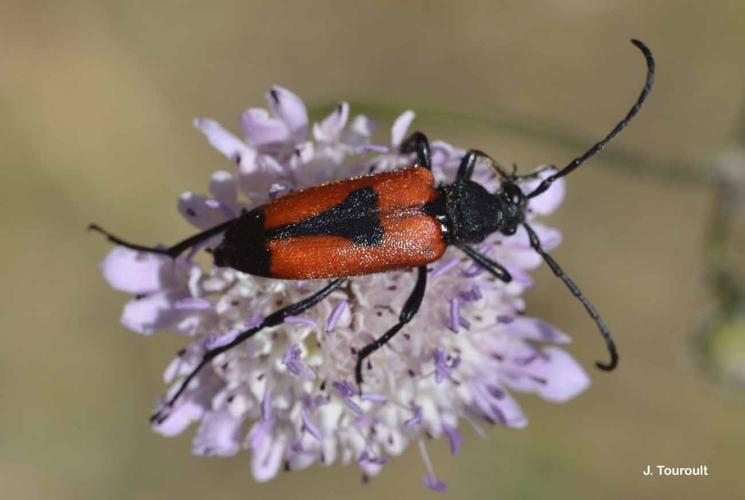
(494, 268)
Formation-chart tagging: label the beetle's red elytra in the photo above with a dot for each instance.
(409, 236)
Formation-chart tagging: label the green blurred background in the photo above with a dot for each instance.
(97, 100)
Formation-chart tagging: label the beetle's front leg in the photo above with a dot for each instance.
(417, 143)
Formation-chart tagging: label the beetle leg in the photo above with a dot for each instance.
(468, 164)
(417, 143)
(494, 268)
(172, 251)
(535, 174)
(273, 319)
(407, 314)
(469, 160)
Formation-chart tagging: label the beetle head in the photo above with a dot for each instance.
(513, 204)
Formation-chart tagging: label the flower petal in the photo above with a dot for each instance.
(511, 414)
(400, 127)
(224, 188)
(267, 457)
(311, 427)
(257, 177)
(133, 271)
(454, 437)
(331, 126)
(179, 418)
(201, 211)
(218, 434)
(261, 129)
(434, 483)
(562, 377)
(302, 155)
(359, 131)
(290, 109)
(148, 314)
(535, 329)
(222, 140)
(445, 160)
(546, 202)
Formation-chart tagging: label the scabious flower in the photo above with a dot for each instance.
(287, 394)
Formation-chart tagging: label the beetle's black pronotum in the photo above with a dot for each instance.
(382, 222)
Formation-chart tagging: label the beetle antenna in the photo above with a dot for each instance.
(543, 186)
(535, 242)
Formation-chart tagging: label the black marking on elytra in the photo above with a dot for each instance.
(357, 218)
(244, 245)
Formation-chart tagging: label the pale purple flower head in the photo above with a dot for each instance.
(286, 394)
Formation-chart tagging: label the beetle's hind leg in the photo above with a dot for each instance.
(417, 143)
(407, 314)
(273, 319)
(172, 251)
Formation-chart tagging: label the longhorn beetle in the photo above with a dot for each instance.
(377, 223)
